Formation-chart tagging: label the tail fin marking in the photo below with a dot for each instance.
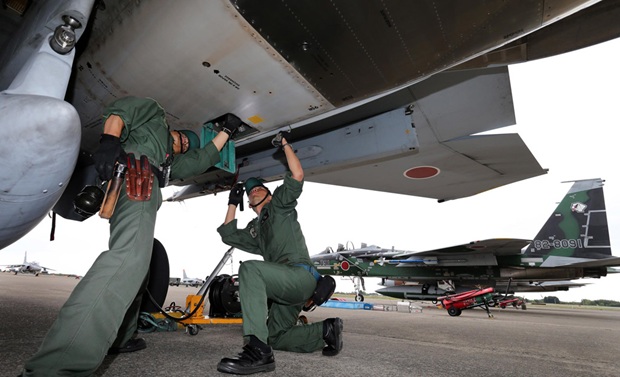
(577, 230)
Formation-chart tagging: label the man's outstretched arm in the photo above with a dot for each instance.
(297, 172)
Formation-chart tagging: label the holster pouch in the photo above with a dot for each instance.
(138, 179)
(325, 287)
(113, 191)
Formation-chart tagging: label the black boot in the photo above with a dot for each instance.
(132, 345)
(256, 357)
(332, 334)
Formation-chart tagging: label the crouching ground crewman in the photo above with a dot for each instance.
(272, 292)
(101, 313)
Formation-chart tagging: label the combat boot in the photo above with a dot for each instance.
(132, 345)
(254, 358)
(332, 335)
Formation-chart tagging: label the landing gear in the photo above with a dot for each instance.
(358, 285)
(158, 279)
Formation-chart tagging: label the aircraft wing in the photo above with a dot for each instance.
(496, 246)
(427, 147)
(12, 265)
(451, 160)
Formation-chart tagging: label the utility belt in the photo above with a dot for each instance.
(162, 174)
(325, 287)
(138, 177)
(310, 269)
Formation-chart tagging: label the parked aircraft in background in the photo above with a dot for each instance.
(28, 267)
(573, 244)
(383, 95)
(192, 282)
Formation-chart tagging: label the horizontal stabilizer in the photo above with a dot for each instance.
(606, 262)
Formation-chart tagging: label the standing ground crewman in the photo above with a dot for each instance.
(272, 292)
(101, 313)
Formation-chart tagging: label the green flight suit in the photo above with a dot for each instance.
(272, 292)
(103, 308)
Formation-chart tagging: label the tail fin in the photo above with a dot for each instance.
(25, 257)
(577, 230)
(184, 274)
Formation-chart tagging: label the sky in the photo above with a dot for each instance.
(567, 111)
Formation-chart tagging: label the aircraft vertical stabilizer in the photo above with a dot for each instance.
(576, 231)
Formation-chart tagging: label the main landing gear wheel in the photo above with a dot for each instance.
(359, 297)
(454, 312)
(158, 279)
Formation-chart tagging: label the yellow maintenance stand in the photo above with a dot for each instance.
(224, 303)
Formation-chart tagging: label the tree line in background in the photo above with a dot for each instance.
(584, 302)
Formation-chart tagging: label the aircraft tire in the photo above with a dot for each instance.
(159, 276)
(359, 298)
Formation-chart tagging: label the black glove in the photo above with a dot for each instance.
(231, 124)
(107, 155)
(277, 140)
(236, 195)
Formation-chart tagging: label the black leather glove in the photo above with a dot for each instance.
(107, 155)
(277, 140)
(236, 195)
(231, 124)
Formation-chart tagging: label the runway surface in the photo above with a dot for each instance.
(539, 341)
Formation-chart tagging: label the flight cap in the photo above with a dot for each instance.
(253, 182)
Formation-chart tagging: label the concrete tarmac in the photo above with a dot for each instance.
(539, 341)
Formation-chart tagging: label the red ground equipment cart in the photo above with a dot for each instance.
(456, 303)
(517, 302)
